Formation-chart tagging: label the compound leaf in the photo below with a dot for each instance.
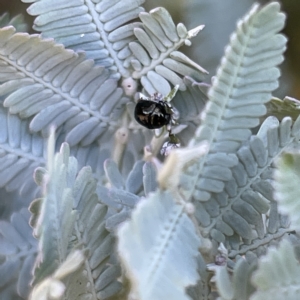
(149, 246)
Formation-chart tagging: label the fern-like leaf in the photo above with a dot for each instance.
(20, 153)
(149, 244)
(278, 274)
(243, 84)
(155, 58)
(106, 31)
(100, 28)
(57, 86)
(190, 103)
(53, 285)
(98, 276)
(69, 213)
(56, 217)
(239, 286)
(18, 250)
(122, 196)
(246, 208)
(286, 184)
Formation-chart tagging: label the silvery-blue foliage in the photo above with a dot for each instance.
(136, 225)
(19, 249)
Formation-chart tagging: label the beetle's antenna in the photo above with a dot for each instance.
(172, 94)
(142, 96)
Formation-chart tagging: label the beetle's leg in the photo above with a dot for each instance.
(169, 128)
(174, 115)
(168, 107)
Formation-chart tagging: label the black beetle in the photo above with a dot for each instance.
(156, 111)
(153, 114)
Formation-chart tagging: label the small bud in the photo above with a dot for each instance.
(130, 86)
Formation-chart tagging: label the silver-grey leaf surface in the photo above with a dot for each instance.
(20, 153)
(102, 29)
(244, 82)
(18, 249)
(57, 87)
(156, 267)
(246, 207)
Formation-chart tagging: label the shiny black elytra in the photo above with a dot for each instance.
(153, 114)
